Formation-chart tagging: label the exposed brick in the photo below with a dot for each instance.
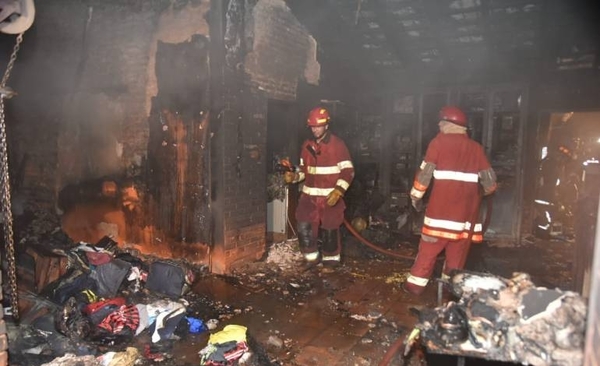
(281, 50)
(3, 358)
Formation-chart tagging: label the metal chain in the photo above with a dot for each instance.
(5, 189)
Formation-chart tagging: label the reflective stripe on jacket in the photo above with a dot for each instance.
(325, 166)
(455, 193)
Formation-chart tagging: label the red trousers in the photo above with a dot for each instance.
(314, 209)
(456, 256)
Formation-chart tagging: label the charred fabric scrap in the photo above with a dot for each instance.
(106, 299)
(506, 320)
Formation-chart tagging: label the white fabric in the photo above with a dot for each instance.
(160, 320)
(419, 281)
(336, 258)
(459, 176)
(311, 257)
(342, 183)
(450, 225)
(316, 191)
(143, 312)
(323, 170)
(416, 193)
(345, 164)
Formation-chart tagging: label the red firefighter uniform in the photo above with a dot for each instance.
(324, 167)
(458, 166)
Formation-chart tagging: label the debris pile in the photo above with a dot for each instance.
(111, 305)
(285, 255)
(508, 320)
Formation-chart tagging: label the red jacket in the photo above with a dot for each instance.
(325, 166)
(456, 163)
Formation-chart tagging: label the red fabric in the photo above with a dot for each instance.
(125, 316)
(316, 211)
(412, 288)
(313, 208)
(93, 307)
(97, 258)
(451, 199)
(331, 151)
(456, 256)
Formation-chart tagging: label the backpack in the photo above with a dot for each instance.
(169, 278)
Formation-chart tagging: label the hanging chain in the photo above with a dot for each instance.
(5, 186)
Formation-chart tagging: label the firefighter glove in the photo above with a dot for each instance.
(289, 177)
(333, 197)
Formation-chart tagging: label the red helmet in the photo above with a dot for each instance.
(318, 117)
(453, 114)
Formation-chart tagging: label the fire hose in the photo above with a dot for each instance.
(373, 246)
(284, 165)
(356, 234)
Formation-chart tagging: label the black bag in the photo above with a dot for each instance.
(68, 285)
(110, 276)
(168, 278)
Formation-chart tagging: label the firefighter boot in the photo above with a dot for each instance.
(308, 245)
(331, 249)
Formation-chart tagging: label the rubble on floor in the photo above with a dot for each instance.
(509, 320)
(110, 305)
(275, 299)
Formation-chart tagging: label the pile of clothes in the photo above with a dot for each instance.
(508, 320)
(106, 298)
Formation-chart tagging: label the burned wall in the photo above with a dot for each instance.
(280, 50)
(86, 76)
(265, 53)
(162, 106)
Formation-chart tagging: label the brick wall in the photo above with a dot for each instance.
(86, 77)
(281, 50)
(272, 52)
(245, 179)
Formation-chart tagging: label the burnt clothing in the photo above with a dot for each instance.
(324, 166)
(456, 163)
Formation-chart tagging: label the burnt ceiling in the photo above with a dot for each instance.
(502, 37)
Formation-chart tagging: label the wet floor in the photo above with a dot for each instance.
(348, 317)
(355, 315)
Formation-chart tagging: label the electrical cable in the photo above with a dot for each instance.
(291, 227)
(486, 223)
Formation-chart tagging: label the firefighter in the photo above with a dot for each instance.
(557, 188)
(458, 166)
(327, 171)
